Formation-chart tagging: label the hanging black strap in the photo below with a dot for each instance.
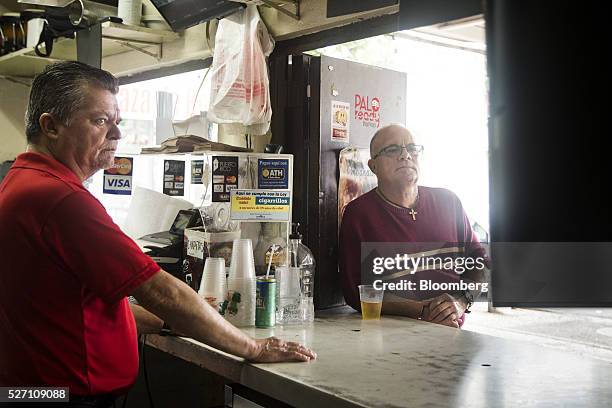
(55, 26)
(46, 38)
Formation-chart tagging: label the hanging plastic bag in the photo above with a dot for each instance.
(240, 91)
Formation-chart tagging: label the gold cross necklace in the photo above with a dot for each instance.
(412, 211)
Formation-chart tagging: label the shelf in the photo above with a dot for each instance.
(117, 38)
(136, 33)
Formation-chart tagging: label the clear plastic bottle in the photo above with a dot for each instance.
(300, 256)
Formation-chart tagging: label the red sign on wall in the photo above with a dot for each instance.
(367, 110)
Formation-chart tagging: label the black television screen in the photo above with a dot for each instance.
(182, 14)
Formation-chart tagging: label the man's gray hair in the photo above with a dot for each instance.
(61, 90)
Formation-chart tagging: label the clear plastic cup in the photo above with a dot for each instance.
(242, 265)
(289, 305)
(371, 302)
(213, 286)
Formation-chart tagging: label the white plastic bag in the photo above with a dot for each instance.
(240, 91)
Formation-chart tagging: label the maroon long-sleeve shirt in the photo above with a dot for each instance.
(440, 219)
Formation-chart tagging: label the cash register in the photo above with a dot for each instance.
(169, 256)
(184, 219)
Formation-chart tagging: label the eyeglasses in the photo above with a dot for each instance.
(395, 150)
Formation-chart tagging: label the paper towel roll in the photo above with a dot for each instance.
(151, 212)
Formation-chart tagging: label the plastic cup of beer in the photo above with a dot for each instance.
(371, 302)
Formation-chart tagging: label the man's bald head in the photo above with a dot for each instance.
(394, 171)
(378, 140)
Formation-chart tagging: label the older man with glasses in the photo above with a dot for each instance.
(401, 211)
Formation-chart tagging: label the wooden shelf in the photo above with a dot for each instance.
(117, 38)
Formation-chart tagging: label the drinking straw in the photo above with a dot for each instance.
(272, 249)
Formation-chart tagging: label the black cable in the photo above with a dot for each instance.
(146, 374)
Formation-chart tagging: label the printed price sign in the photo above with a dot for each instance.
(260, 205)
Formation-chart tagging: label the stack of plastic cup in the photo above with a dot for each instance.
(241, 285)
(213, 287)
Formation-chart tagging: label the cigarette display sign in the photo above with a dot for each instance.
(260, 205)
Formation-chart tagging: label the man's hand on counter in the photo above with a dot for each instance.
(443, 309)
(273, 350)
(172, 301)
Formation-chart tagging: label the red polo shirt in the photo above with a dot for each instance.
(65, 271)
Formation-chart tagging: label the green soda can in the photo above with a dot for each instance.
(265, 310)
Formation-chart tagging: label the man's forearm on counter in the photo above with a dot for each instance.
(394, 305)
(186, 312)
(146, 322)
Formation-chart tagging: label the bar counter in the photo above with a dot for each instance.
(401, 362)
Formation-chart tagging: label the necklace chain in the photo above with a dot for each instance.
(413, 206)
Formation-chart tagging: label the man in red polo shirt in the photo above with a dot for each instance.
(67, 268)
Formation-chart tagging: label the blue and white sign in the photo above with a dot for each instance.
(273, 173)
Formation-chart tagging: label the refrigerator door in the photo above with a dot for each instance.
(323, 105)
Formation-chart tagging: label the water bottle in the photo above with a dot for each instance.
(300, 256)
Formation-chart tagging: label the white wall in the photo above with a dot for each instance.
(13, 102)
